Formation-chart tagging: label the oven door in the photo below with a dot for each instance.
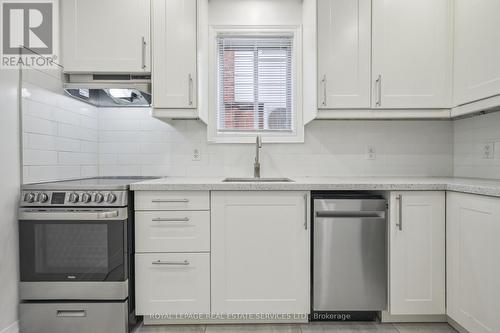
(73, 245)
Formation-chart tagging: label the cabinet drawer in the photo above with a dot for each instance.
(172, 231)
(172, 283)
(73, 317)
(172, 200)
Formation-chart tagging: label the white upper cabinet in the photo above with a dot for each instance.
(477, 50)
(106, 36)
(417, 253)
(260, 252)
(174, 54)
(412, 53)
(344, 51)
(473, 261)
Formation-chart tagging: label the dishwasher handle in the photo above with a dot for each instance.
(358, 214)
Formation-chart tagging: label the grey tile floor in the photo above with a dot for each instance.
(344, 327)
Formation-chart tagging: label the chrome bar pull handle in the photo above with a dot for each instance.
(71, 313)
(164, 219)
(109, 215)
(190, 84)
(323, 81)
(171, 263)
(379, 91)
(143, 52)
(400, 212)
(169, 200)
(305, 210)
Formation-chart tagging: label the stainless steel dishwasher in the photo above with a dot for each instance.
(349, 256)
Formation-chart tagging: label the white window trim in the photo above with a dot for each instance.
(297, 135)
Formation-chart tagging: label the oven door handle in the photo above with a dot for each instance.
(81, 215)
(109, 215)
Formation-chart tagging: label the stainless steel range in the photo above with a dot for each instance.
(76, 256)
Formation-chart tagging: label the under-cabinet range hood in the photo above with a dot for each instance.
(110, 90)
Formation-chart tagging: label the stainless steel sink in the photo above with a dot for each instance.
(258, 180)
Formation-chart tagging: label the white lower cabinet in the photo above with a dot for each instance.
(172, 245)
(417, 253)
(473, 261)
(172, 283)
(260, 252)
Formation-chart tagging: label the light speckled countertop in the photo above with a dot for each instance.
(464, 185)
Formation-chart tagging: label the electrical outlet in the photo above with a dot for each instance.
(196, 154)
(488, 150)
(371, 153)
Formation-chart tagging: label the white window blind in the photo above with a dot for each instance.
(255, 83)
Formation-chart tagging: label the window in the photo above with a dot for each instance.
(255, 83)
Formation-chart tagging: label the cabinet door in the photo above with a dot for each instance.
(172, 283)
(260, 252)
(107, 36)
(417, 253)
(412, 41)
(473, 259)
(174, 54)
(477, 50)
(344, 51)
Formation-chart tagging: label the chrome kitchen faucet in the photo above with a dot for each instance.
(256, 165)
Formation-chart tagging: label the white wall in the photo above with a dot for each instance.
(9, 192)
(131, 142)
(59, 133)
(470, 135)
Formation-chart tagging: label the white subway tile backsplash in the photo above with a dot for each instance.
(107, 159)
(470, 135)
(39, 141)
(35, 174)
(331, 148)
(69, 131)
(89, 147)
(143, 159)
(119, 124)
(119, 170)
(66, 117)
(69, 158)
(66, 144)
(119, 147)
(89, 171)
(157, 148)
(89, 122)
(128, 141)
(163, 170)
(88, 134)
(37, 125)
(60, 136)
(39, 157)
(37, 109)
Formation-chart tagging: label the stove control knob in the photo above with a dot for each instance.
(86, 197)
(73, 197)
(29, 197)
(110, 197)
(43, 197)
(99, 197)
